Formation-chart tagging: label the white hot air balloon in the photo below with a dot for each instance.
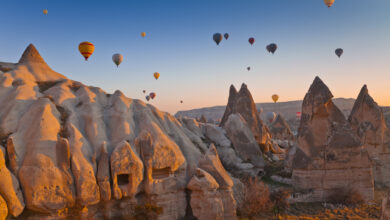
(117, 58)
(271, 116)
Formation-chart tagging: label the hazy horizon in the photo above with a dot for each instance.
(179, 45)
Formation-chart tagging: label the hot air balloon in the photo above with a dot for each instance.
(152, 95)
(143, 91)
(248, 68)
(147, 98)
(251, 40)
(298, 114)
(156, 75)
(45, 11)
(217, 37)
(271, 116)
(117, 58)
(86, 49)
(275, 98)
(226, 35)
(339, 52)
(181, 101)
(271, 48)
(329, 3)
(143, 34)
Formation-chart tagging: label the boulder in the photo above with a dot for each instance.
(205, 200)
(280, 130)
(329, 155)
(368, 122)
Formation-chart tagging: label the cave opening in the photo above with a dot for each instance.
(123, 179)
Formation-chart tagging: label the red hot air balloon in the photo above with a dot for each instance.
(152, 95)
(298, 114)
(251, 40)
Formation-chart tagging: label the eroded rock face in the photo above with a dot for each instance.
(329, 154)
(72, 146)
(205, 201)
(280, 130)
(3, 209)
(243, 140)
(242, 103)
(385, 208)
(369, 124)
(9, 190)
(127, 171)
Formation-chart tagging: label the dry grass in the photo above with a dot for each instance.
(345, 196)
(256, 198)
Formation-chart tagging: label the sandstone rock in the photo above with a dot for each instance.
(211, 163)
(243, 140)
(205, 200)
(10, 190)
(242, 103)
(126, 170)
(203, 119)
(368, 122)
(280, 130)
(103, 175)
(3, 209)
(329, 154)
(385, 208)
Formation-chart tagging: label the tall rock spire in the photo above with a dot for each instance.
(31, 55)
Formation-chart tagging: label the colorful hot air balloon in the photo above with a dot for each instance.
(275, 98)
(143, 34)
(86, 49)
(143, 91)
(329, 3)
(226, 35)
(271, 116)
(339, 52)
(152, 95)
(251, 40)
(156, 75)
(117, 58)
(248, 68)
(217, 37)
(147, 98)
(271, 48)
(45, 11)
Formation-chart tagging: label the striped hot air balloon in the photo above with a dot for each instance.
(86, 49)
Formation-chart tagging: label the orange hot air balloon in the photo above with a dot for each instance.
(45, 11)
(86, 49)
(275, 98)
(143, 34)
(329, 3)
(156, 75)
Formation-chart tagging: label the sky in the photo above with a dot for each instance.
(179, 45)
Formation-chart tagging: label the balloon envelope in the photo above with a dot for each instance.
(271, 48)
(117, 58)
(248, 68)
(226, 35)
(217, 37)
(143, 91)
(329, 3)
(181, 101)
(271, 116)
(143, 34)
(86, 49)
(147, 98)
(152, 95)
(45, 11)
(339, 52)
(156, 75)
(275, 98)
(251, 40)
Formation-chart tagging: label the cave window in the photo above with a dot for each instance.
(123, 179)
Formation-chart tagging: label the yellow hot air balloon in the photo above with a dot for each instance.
(156, 75)
(86, 49)
(329, 2)
(275, 98)
(45, 11)
(143, 34)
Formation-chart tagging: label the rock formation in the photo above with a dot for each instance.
(385, 215)
(71, 146)
(369, 124)
(206, 202)
(280, 130)
(329, 154)
(242, 103)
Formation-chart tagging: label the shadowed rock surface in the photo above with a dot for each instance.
(369, 124)
(329, 154)
(280, 130)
